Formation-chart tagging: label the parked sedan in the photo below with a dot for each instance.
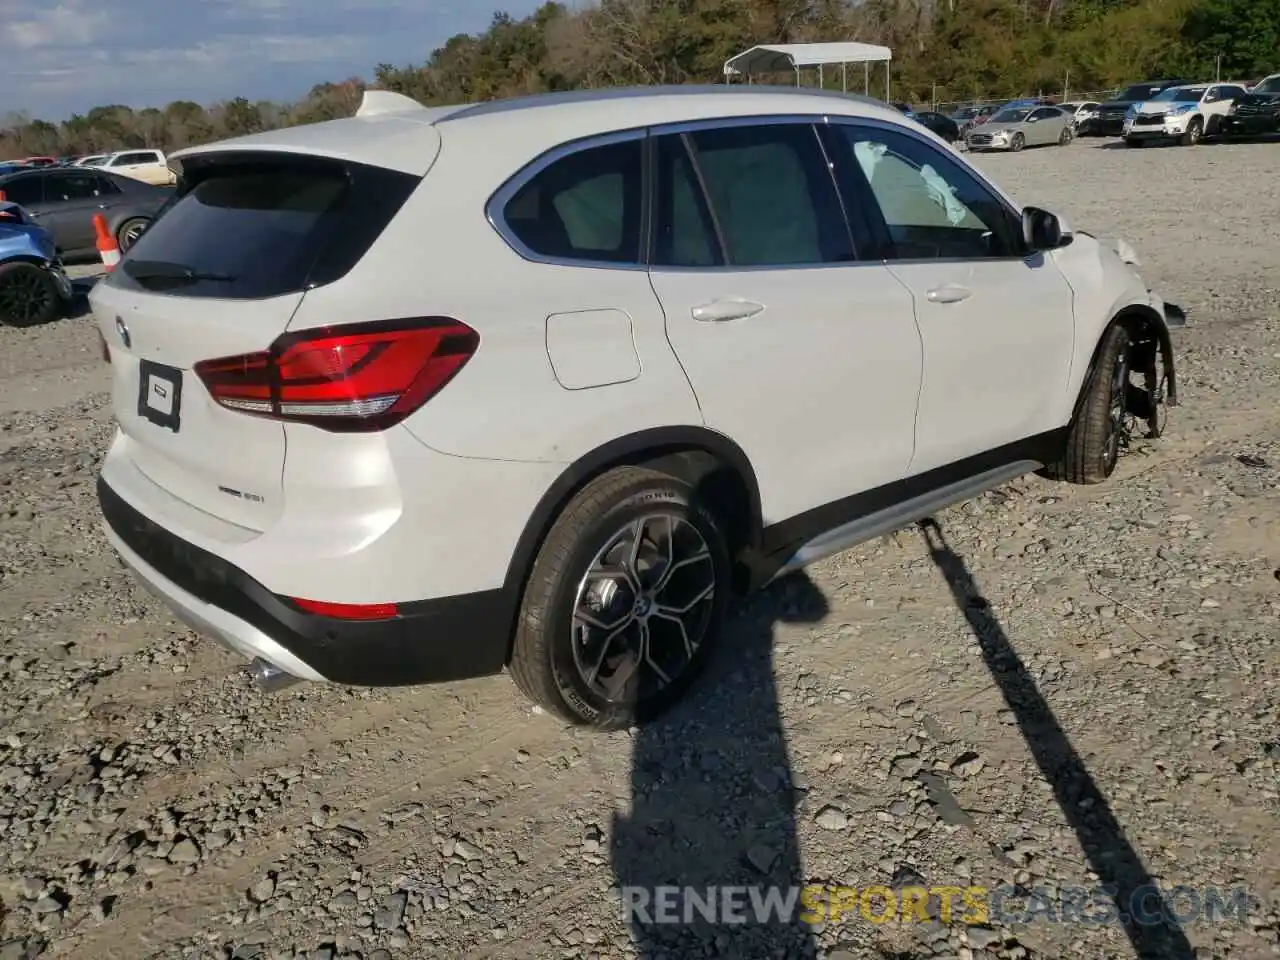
(943, 126)
(973, 115)
(1016, 127)
(64, 199)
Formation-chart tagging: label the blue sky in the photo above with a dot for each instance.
(59, 57)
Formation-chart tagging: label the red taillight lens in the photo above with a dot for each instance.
(351, 378)
(348, 611)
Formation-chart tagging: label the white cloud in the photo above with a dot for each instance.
(64, 25)
(59, 57)
(258, 49)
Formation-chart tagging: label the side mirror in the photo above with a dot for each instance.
(1041, 230)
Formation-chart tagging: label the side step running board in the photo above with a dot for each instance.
(902, 514)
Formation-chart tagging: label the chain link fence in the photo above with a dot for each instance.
(1061, 96)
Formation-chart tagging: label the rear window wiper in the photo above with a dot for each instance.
(162, 270)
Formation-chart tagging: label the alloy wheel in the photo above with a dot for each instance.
(643, 608)
(1117, 426)
(129, 236)
(25, 297)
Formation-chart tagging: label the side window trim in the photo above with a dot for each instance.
(495, 206)
(860, 124)
(853, 185)
(704, 198)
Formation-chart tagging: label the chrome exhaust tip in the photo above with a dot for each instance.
(269, 677)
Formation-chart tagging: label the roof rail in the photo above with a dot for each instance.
(379, 102)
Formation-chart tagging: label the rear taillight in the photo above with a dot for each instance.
(359, 377)
(347, 611)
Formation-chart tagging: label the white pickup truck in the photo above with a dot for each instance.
(149, 166)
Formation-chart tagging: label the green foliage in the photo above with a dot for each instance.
(1245, 33)
(948, 49)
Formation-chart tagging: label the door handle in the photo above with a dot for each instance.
(718, 311)
(949, 293)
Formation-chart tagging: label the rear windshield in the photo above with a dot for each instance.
(245, 227)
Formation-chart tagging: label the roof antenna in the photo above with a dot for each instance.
(376, 103)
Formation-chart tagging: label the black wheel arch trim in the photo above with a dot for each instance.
(657, 446)
(1148, 319)
(26, 258)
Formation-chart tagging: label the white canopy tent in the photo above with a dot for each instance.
(779, 57)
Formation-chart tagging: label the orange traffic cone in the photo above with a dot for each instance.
(108, 249)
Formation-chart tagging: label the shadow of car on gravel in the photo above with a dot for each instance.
(714, 797)
(79, 305)
(714, 803)
(1147, 919)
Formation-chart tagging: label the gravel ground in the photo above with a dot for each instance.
(1072, 687)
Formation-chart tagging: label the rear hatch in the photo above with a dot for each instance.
(219, 274)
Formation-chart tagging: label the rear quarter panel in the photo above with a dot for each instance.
(440, 256)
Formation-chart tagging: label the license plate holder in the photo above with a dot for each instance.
(160, 394)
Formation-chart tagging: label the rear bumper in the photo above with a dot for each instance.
(445, 639)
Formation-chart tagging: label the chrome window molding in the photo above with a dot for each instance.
(497, 202)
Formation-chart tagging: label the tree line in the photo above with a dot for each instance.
(944, 49)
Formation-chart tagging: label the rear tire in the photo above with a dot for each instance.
(130, 231)
(28, 295)
(1065, 137)
(596, 598)
(1093, 439)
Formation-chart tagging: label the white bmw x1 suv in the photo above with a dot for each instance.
(539, 384)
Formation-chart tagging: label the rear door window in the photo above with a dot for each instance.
(105, 186)
(24, 191)
(64, 188)
(771, 193)
(257, 228)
